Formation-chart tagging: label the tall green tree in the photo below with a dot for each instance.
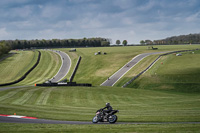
(118, 42)
(125, 42)
(148, 42)
(4, 48)
(142, 42)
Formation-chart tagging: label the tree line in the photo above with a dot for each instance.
(4, 48)
(85, 42)
(182, 39)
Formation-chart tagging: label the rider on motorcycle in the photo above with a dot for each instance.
(109, 108)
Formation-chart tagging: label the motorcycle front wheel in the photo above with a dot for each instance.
(112, 119)
(95, 119)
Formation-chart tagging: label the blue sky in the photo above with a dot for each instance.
(131, 20)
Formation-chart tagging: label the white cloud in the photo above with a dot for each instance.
(23, 24)
(51, 11)
(127, 21)
(3, 33)
(149, 5)
(123, 4)
(40, 6)
(193, 18)
(88, 23)
(8, 2)
(69, 23)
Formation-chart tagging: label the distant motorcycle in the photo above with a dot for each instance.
(107, 117)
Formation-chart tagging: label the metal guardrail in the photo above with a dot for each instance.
(66, 84)
(75, 69)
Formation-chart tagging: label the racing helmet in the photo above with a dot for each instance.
(107, 104)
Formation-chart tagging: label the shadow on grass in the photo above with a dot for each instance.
(6, 57)
(180, 80)
(174, 87)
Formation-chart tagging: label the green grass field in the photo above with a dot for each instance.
(17, 65)
(171, 72)
(142, 101)
(80, 104)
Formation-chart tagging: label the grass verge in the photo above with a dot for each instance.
(16, 66)
(142, 65)
(170, 128)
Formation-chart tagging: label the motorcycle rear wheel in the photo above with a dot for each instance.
(95, 119)
(112, 119)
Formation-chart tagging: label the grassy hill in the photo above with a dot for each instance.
(17, 65)
(142, 101)
(80, 103)
(48, 66)
(87, 100)
(171, 72)
(93, 69)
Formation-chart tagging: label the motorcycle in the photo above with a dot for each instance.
(107, 117)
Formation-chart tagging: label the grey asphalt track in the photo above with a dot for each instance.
(43, 121)
(122, 71)
(65, 67)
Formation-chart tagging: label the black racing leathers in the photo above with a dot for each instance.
(109, 109)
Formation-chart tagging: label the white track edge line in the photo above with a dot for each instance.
(69, 66)
(152, 65)
(120, 69)
(62, 64)
(129, 70)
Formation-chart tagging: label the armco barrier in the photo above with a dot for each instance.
(130, 81)
(75, 69)
(67, 84)
(24, 76)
